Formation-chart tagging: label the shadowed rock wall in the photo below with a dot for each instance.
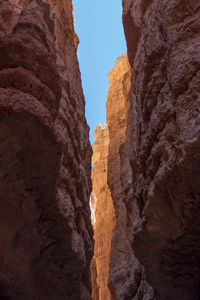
(45, 230)
(163, 40)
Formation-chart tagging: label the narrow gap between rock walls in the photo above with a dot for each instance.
(103, 65)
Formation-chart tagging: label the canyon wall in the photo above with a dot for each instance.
(104, 215)
(45, 231)
(116, 272)
(163, 41)
(126, 275)
(117, 107)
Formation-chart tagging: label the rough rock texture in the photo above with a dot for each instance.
(45, 230)
(163, 39)
(104, 213)
(117, 107)
(125, 271)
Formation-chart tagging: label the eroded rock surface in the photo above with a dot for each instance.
(163, 39)
(45, 230)
(104, 215)
(117, 107)
(126, 273)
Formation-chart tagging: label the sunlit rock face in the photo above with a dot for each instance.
(104, 215)
(125, 270)
(45, 230)
(163, 39)
(117, 108)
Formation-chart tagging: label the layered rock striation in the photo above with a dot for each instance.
(45, 230)
(163, 43)
(104, 215)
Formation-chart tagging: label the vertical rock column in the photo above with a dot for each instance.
(126, 274)
(163, 40)
(117, 110)
(45, 229)
(112, 184)
(104, 214)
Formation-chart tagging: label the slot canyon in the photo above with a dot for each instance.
(118, 220)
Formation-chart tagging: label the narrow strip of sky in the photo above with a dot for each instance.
(98, 24)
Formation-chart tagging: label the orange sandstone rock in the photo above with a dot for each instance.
(104, 214)
(125, 270)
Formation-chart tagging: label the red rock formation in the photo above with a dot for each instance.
(45, 230)
(125, 270)
(163, 39)
(117, 107)
(105, 215)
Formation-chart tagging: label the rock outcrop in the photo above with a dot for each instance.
(104, 215)
(163, 40)
(45, 230)
(117, 107)
(126, 273)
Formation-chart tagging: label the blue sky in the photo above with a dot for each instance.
(98, 24)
